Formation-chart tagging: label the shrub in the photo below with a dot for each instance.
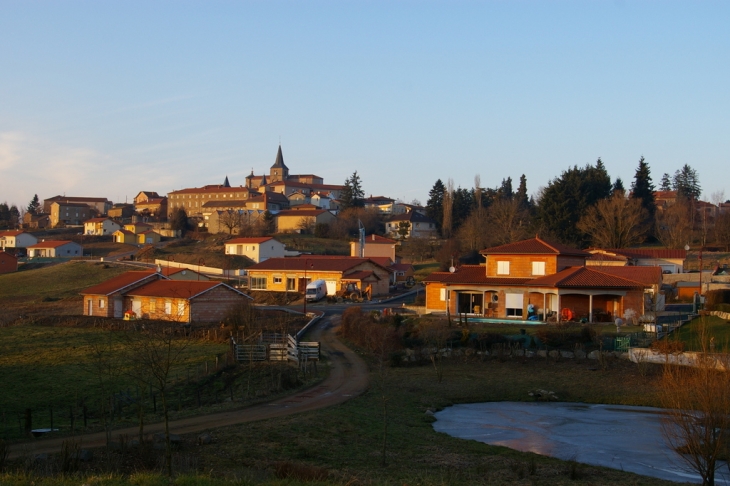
(716, 298)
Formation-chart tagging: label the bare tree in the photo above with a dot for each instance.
(231, 220)
(616, 222)
(509, 221)
(158, 349)
(722, 230)
(306, 225)
(697, 400)
(674, 224)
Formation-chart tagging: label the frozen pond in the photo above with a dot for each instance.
(620, 437)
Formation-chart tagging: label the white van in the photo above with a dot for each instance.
(316, 290)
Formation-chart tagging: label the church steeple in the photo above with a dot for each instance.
(226, 183)
(279, 171)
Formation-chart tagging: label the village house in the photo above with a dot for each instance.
(8, 262)
(70, 214)
(669, 260)
(16, 239)
(121, 212)
(107, 298)
(301, 219)
(193, 199)
(148, 237)
(293, 274)
(100, 226)
(414, 224)
(550, 278)
(375, 246)
(258, 249)
(124, 236)
(55, 249)
(36, 221)
(100, 205)
(184, 300)
(138, 227)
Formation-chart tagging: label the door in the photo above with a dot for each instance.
(137, 308)
(90, 305)
(118, 308)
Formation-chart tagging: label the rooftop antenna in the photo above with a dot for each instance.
(361, 230)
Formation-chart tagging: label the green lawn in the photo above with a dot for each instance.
(57, 281)
(704, 328)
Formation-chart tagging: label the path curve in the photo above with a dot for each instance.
(348, 378)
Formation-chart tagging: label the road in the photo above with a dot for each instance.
(348, 378)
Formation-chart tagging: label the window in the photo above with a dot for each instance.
(444, 294)
(258, 283)
(291, 283)
(513, 303)
(502, 268)
(538, 268)
(277, 280)
(181, 308)
(168, 307)
(101, 303)
(153, 305)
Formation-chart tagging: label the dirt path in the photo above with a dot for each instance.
(348, 378)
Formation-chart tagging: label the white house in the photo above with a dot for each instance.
(16, 239)
(55, 249)
(100, 226)
(258, 249)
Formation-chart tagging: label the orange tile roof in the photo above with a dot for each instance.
(534, 246)
(118, 283)
(11, 233)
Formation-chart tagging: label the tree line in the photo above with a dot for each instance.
(582, 207)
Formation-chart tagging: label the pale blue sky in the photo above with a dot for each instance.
(110, 98)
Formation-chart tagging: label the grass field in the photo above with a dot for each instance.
(347, 440)
(314, 245)
(44, 368)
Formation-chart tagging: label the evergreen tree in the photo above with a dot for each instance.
(505, 189)
(643, 189)
(179, 219)
(687, 183)
(352, 195)
(34, 205)
(435, 204)
(618, 186)
(462, 206)
(666, 184)
(567, 198)
(521, 195)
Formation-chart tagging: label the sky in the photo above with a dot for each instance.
(106, 99)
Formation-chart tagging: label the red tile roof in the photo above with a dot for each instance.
(383, 261)
(96, 220)
(11, 233)
(606, 257)
(301, 212)
(586, 277)
(534, 246)
(360, 275)
(124, 231)
(178, 289)
(118, 283)
(321, 263)
(645, 275)
(50, 244)
(379, 240)
(212, 189)
(253, 240)
(473, 274)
